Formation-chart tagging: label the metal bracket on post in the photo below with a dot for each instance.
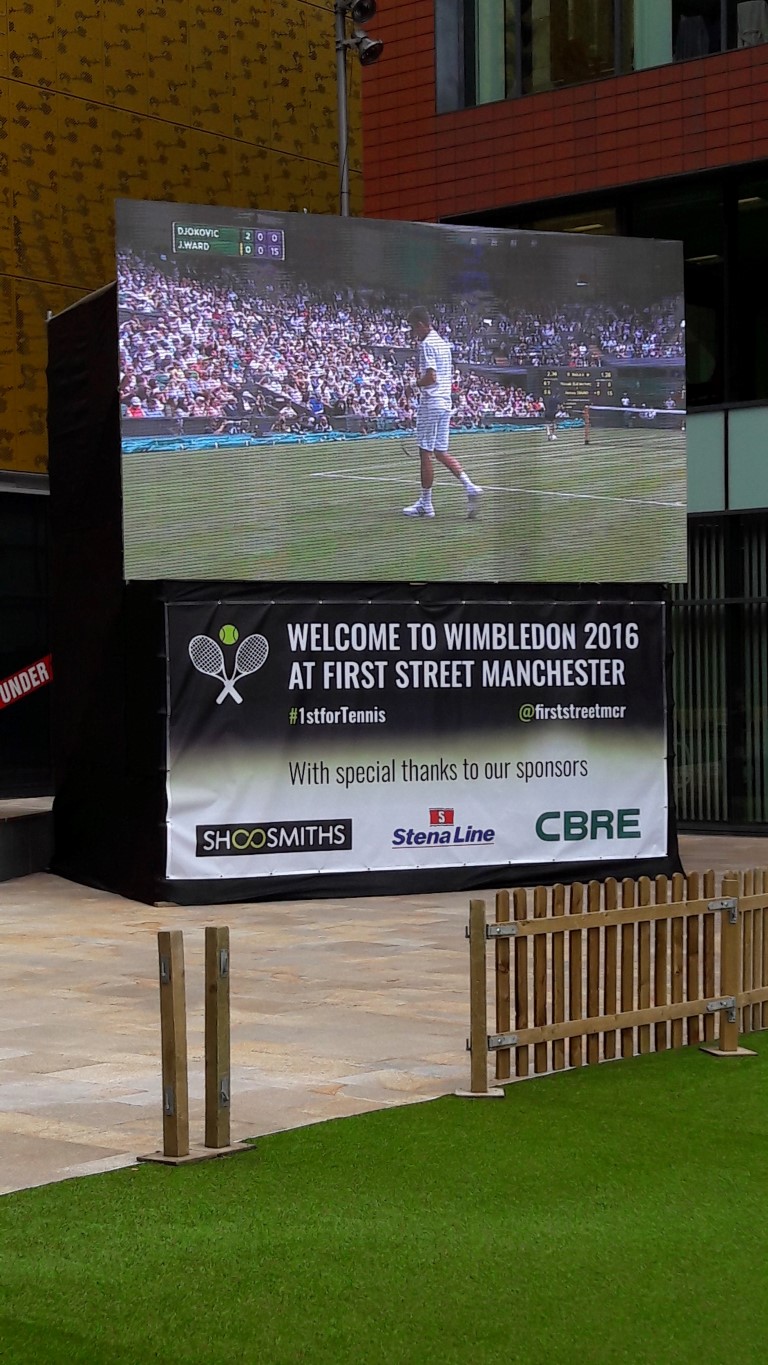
(728, 1003)
(502, 930)
(729, 903)
(497, 1041)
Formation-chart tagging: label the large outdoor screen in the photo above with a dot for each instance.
(326, 399)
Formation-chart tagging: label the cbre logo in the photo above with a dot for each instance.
(576, 825)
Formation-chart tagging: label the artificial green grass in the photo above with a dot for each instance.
(612, 1214)
(333, 510)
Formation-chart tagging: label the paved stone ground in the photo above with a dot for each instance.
(338, 1007)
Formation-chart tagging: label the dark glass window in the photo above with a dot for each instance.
(600, 222)
(695, 218)
(451, 92)
(696, 28)
(748, 302)
(565, 44)
(495, 49)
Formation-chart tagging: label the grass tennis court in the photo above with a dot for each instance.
(613, 1214)
(612, 510)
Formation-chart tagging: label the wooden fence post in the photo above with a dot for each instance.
(478, 1009)
(173, 1032)
(503, 988)
(217, 1035)
(730, 973)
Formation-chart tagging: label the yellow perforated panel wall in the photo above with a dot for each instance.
(229, 102)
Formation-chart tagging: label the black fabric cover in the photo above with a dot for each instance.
(108, 743)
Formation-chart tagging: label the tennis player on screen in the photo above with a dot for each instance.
(434, 368)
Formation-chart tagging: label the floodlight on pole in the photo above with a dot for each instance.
(360, 11)
(368, 51)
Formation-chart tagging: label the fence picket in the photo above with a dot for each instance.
(644, 965)
(757, 952)
(710, 973)
(575, 1006)
(503, 988)
(593, 972)
(692, 961)
(764, 981)
(661, 963)
(558, 978)
(519, 901)
(747, 947)
(610, 980)
(540, 1002)
(627, 966)
(676, 972)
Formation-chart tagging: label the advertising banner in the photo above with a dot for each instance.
(332, 737)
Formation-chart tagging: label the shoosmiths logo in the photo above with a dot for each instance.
(274, 836)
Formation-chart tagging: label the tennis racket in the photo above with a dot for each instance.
(251, 654)
(207, 657)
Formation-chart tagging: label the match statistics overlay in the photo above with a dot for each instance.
(316, 738)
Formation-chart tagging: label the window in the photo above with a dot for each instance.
(694, 216)
(490, 50)
(696, 28)
(564, 42)
(749, 307)
(600, 222)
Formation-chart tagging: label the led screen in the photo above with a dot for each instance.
(327, 399)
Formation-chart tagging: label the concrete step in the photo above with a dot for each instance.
(26, 837)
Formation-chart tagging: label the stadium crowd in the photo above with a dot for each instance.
(302, 358)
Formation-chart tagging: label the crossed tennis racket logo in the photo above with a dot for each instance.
(208, 657)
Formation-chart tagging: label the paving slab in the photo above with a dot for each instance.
(339, 1006)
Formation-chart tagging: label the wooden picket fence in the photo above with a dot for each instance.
(586, 973)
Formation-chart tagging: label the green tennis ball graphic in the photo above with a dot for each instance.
(229, 635)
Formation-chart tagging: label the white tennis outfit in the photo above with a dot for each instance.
(433, 418)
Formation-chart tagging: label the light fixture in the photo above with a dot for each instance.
(359, 11)
(368, 51)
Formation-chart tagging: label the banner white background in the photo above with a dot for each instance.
(381, 736)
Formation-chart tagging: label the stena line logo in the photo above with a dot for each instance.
(273, 836)
(442, 830)
(208, 657)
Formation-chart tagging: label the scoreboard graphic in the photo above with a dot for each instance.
(260, 243)
(578, 387)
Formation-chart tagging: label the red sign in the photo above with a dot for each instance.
(441, 815)
(27, 680)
